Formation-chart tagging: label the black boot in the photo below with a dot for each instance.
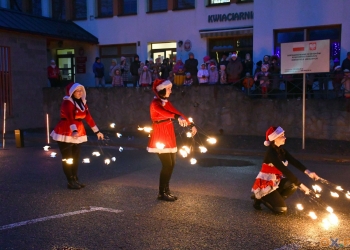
(77, 182)
(164, 196)
(257, 202)
(72, 184)
(167, 190)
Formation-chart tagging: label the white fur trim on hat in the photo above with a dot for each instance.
(276, 134)
(234, 55)
(163, 85)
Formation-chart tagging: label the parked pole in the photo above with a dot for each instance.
(304, 104)
(4, 128)
(47, 128)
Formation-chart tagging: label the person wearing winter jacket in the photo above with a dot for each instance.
(99, 71)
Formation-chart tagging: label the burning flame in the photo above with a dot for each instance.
(334, 194)
(333, 219)
(147, 129)
(119, 135)
(313, 215)
(193, 161)
(96, 153)
(203, 149)
(160, 145)
(183, 153)
(190, 119)
(317, 188)
(347, 194)
(107, 161)
(86, 160)
(46, 148)
(189, 134)
(113, 159)
(187, 149)
(120, 149)
(68, 161)
(211, 140)
(329, 209)
(326, 223)
(53, 154)
(339, 188)
(112, 125)
(300, 206)
(318, 195)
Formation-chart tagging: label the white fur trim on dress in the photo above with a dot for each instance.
(163, 85)
(266, 177)
(69, 139)
(95, 129)
(160, 151)
(276, 134)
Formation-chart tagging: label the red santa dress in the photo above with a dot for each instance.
(72, 116)
(162, 114)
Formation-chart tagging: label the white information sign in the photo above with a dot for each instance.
(305, 57)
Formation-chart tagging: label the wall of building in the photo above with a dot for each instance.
(28, 69)
(212, 108)
(284, 14)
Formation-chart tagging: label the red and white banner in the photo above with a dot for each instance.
(305, 57)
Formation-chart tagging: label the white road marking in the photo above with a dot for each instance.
(88, 210)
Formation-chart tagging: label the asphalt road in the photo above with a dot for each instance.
(118, 208)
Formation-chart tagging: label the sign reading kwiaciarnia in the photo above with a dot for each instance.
(305, 57)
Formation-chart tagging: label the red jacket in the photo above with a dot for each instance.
(163, 128)
(53, 72)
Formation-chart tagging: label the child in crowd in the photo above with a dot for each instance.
(188, 80)
(155, 74)
(264, 79)
(145, 77)
(171, 76)
(223, 76)
(117, 79)
(213, 74)
(346, 84)
(248, 82)
(141, 68)
(203, 74)
(179, 76)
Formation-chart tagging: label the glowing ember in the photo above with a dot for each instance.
(339, 188)
(96, 153)
(347, 194)
(190, 119)
(68, 161)
(183, 153)
(112, 125)
(46, 148)
(139, 128)
(318, 195)
(317, 188)
(313, 215)
(119, 135)
(326, 223)
(333, 219)
(193, 161)
(107, 161)
(300, 206)
(120, 149)
(334, 194)
(329, 209)
(53, 154)
(203, 149)
(189, 134)
(86, 160)
(211, 140)
(113, 159)
(147, 129)
(160, 145)
(187, 149)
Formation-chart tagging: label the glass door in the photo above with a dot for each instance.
(66, 64)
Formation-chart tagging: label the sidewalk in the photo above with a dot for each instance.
(315, 149)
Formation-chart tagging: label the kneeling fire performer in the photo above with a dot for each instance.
(162, 140)
(275, 181)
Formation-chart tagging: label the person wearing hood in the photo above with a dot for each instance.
(191, 66)
(99, 71)
(134, 70)
(162, 140)
(70, 132)
(53, 73)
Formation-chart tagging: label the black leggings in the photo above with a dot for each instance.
(70, 150)
(168, 163)
(275, 200)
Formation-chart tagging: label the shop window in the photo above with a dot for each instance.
(79, 9)
(128, 7)
(59, 9)
(218, 2)
(184, 4)
(157, 5)
(105, 8)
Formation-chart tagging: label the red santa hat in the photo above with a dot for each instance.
(70, 88)
(206, 58)
(212, 65)
(272, 133)
(160, 84)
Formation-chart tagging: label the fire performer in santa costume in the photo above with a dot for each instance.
(275, 181)
(162, 140)
(70, 132)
